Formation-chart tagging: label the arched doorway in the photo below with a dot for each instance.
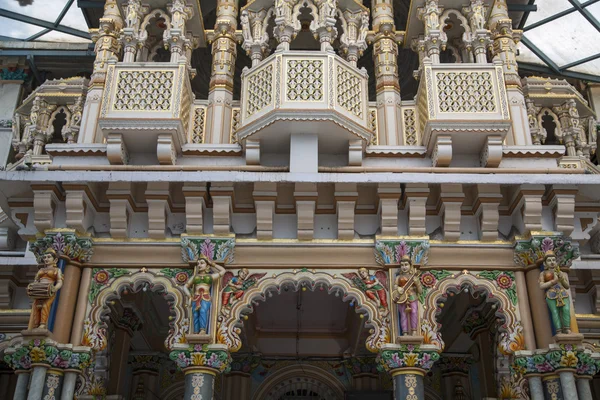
(313, 324)
(474, 319)
(134, 318)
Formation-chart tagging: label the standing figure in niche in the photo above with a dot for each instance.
(200, 284)
(406, 295)
(555, 284)
(48, 280)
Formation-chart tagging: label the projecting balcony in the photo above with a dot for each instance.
(463, 109)
(146, 109)
(315, 100)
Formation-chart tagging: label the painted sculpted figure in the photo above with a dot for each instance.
(372, 286)
(406, 294)
(478, 15)
(201, 284)
(236, 286)
(431, 16)
(555, 283)
(48, 280)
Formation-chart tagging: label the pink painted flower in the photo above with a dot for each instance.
(428, 279)
(181, 278)
(207, 248)
(504, 281)
(101, 277)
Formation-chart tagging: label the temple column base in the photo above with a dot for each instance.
(199, 383)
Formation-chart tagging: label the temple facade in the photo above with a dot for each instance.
(300, 199)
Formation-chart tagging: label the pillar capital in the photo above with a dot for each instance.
(49, 354)
(201, 358)
(407, 359)
(530, 251)
(67, 243)
(565, 357)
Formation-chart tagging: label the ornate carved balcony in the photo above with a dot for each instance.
(288, 90)
(146, 109)
(463, 108)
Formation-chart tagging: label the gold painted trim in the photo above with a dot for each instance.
(198, 369)
(16, 311)
(408, 371)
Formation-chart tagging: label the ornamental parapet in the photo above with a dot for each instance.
(287, 89)
(463, 108)
(145, 108)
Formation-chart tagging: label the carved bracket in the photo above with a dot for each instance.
(65, 243)
(391, 251)
(219, 249)
(531, 251)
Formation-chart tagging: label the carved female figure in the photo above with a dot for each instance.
(48, 280)
(200, 284)
(408, 288)
(555, 283)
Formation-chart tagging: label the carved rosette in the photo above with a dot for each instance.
(68, 244)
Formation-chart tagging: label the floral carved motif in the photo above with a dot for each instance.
(202, 356)
(198, 125)
(410, 127)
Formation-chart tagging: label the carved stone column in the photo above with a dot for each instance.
(224, 51)
(408, 381)
(201, 364)
(175, 37)
(505, 41)
(125, 326)
(146, 369)
(385, 54)
(435, 38)
(107, 46)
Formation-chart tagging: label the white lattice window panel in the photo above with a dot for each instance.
(260, 90)
(410, 127)
(465, 92)
(144, 91)
(349, 90)
(198, 125)
(304, 80)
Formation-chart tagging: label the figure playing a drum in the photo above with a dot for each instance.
(48, 280)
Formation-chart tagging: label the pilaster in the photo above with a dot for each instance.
(222, 197)
(45, 201)
(530, 204)
(561, 199)
(119, 194)
(488, 201)
(451, 200)
(415, 200)
(265, 197)
(389, 196)
(195, 205)
(158, 198)
(79, 207)
(306, 196)
(346, 195)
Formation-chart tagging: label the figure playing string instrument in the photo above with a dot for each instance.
(201, 284)
(48, 280)
(555, 283)
(406, 294)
